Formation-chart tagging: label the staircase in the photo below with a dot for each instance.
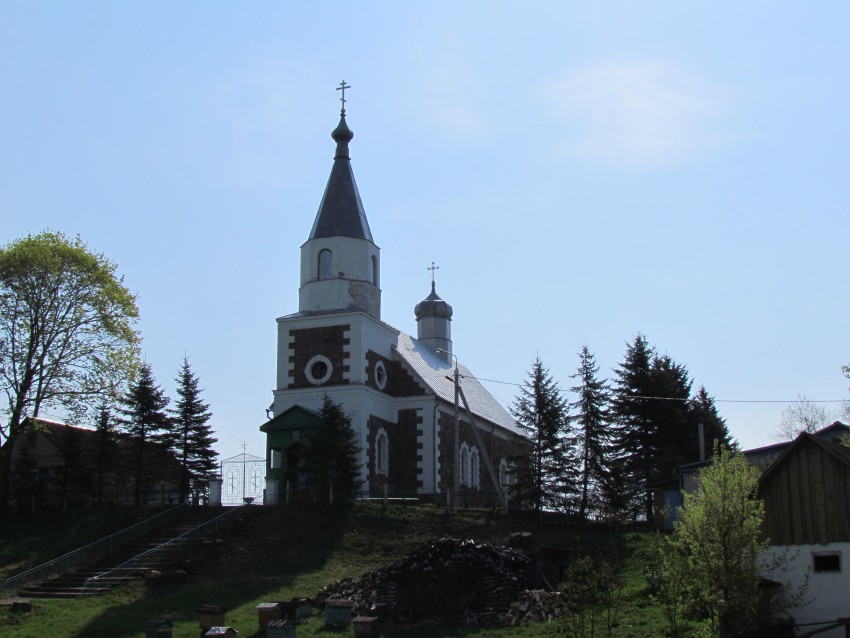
(160, 550)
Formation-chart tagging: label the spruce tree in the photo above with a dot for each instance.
(657, 419)
(193, 434)
(634, 413)
(677, 439)
(335, 455)
(105, 448)
(147, 423)
(545, 467)
(589, 418)
(29, 486)
(74, 476)
(715, 431)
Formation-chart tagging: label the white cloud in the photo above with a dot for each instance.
(638, 115)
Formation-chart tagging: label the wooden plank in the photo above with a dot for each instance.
(807, 516)
(816, 474)
(830, 495)
(797, 510)
(844, 504)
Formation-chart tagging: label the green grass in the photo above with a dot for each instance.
(281, 553)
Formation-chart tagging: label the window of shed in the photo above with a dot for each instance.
(827, 562)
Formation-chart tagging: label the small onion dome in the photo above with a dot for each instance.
(433, 306)
(342, 135)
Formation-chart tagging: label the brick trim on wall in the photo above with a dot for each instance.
(328, 341)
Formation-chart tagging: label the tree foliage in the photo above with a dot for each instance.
(67, 332)
(146, 421)
(636, 430)
(803, 415)
(192, 432)
(717, 542)
(545, 470)
(704, 410)
(589, 418)
(335, 455)
(105, 450)
(657, 420)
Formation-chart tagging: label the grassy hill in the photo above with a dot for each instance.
(285, 552)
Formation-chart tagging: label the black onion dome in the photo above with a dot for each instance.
(342, 135)
(433, 306)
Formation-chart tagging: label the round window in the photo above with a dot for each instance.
(318, 370)
(380, 375)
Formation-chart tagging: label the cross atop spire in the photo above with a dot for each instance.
(433, 269)
(342, 86)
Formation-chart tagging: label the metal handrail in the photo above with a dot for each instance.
(137, 562)
(89, 552)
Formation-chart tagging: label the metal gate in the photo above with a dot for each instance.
(243, 477)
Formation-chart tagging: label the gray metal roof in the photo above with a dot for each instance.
(438, 375)
(341, 212)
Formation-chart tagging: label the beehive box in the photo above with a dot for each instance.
(366, 626)
(280, 629)
(304, 610)
(210, 616)
(158, 628)
(338, 612)
(267, 612)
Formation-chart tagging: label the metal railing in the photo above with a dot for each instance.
(176, 545)
(92, 551)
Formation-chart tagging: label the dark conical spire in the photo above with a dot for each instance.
(341, 212)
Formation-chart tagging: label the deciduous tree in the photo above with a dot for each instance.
(718, 535)
(803, 415)
(67, 333)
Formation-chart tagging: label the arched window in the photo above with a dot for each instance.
(325, 264)
(374, 270)
(465, 470)
(382, 453)
(474, 467)
(504, 473)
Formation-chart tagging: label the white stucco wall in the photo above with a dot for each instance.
(815, 597)
(351, 284)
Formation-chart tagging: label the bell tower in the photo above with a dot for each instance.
(434, 321)
(340, 263)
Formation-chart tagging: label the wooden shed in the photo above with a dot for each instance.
(806, 493)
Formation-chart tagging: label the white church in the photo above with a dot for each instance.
(416, 436)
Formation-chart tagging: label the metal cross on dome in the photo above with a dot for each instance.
(342, 86)
(433, 269)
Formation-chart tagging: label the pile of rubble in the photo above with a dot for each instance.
(447, 580)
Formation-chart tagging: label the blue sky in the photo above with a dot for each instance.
(580, 172)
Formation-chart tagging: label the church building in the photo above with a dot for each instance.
(417, 437)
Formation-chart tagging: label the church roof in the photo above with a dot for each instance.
(438, 375)
(341, 212)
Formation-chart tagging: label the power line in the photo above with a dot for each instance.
(637, 396)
